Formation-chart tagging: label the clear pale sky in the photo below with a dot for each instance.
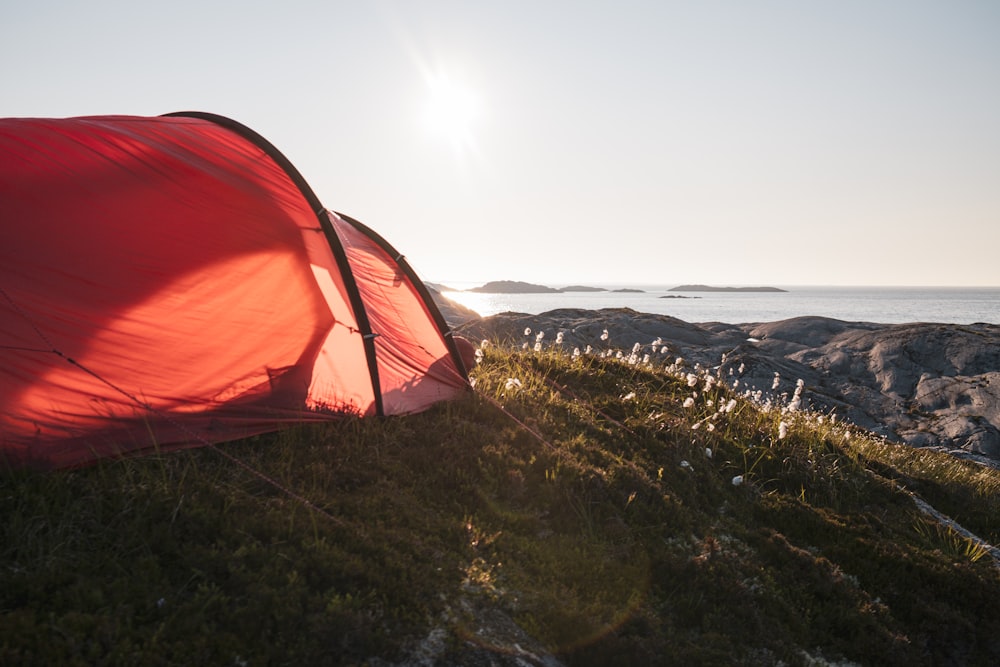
(790, 142)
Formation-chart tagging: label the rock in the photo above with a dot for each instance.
(582, 327)
(805, 332)
(489, 638)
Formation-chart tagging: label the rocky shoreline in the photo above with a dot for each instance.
(925, 384)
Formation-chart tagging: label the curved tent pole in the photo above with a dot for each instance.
(336, 247)
(419, 285)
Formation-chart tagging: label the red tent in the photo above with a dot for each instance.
(173, 281)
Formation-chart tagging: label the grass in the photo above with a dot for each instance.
(577, 512)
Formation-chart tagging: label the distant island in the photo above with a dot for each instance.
(582, 288)
(519, 287)
(708, 288)
(512, 287)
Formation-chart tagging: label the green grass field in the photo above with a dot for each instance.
(570, 509)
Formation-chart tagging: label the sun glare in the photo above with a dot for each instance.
(451, 110)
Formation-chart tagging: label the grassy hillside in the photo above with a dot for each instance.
(572, 509)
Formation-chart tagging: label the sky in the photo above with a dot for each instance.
(797, 142)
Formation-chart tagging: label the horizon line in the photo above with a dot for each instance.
(600, 283)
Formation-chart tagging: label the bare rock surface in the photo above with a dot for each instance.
(926, 384)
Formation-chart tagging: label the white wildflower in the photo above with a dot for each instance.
(527, 331)
(737, 480)
(777, 380)
(796, 401)
(708, 452)
(539, 336)
(589, 350)
(692, 379)
(782, 430)
(512, 383)
(730, 405)
(524, 347)
(576, 353)
(743, 367)
(687, 466)
(604, 336)
(629, 396)
(538, 346)
(636, 348)
(688, 402)
(559, 338)
(711, 426)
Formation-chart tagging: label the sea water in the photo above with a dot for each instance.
(886, 305)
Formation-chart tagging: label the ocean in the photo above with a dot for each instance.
(884, 305)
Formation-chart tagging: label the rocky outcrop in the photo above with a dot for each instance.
(929, 385)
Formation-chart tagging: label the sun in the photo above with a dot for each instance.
(451, 110)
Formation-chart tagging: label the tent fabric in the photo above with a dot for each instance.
(172, 281)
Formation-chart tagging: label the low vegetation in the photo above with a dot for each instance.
(582, 509)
